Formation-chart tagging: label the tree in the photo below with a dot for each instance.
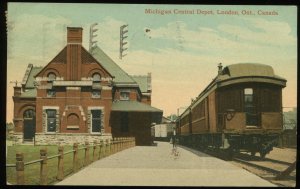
(172, 117)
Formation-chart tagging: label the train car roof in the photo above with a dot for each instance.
(238, 73)
(248, 69)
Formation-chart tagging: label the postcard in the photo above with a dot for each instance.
(147, 94)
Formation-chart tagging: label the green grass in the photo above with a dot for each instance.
(32, 171)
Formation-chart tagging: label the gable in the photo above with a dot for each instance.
(58, 65)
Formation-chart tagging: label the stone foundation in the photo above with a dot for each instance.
(17, 138)
(63, 138)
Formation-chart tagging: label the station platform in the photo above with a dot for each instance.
(158, 166)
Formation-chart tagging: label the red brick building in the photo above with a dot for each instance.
(81, 95)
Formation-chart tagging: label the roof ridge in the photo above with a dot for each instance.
(139, 75)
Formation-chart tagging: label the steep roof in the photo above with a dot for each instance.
(142, 81)
(28, 79)
(120, 75)
(133, 106)
(30, 93)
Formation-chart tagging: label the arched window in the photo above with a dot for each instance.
(96, 77)
(29, 114)
(96, 85)
(51, 76)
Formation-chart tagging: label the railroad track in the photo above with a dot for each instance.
(268, 169)
(270, 165)
(265, 168)
(261, 167)
(265, 164)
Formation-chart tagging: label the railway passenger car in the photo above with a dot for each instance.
(240, 110)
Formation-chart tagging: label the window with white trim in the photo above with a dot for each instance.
(51, 120)
(96, 120)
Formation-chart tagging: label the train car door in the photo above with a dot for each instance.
(250, 108)
(29, 125)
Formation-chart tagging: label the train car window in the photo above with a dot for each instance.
(248, 95)
(250, 109)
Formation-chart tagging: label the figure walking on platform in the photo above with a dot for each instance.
(174, 141)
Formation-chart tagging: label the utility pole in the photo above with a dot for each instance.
(92, 35)
(122, 37)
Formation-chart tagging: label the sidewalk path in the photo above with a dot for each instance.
(156, 166)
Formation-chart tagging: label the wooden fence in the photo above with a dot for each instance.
(100, 149)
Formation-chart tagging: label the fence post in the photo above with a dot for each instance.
(109, 144)
(106, 148)
(124, 143)
(75, 157)
(87, 154)
(113, 146)
(43, 170)
(20, 168)
(94, 151)
(100, 149)
(121, 144)
(116, 144)
(60, 171)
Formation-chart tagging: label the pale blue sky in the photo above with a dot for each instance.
(181, 51)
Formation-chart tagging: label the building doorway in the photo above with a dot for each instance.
(29, 125)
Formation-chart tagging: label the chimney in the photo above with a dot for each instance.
(74, 35)
(17, 91)
(74, 41)
(220, 68)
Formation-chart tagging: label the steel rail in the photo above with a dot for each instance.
(273, 171)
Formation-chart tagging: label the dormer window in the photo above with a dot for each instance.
(124, 95)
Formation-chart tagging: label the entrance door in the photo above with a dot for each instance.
(29, 125)
(250, 108)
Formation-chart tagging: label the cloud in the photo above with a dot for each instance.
(34, 34)
(269, 33)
